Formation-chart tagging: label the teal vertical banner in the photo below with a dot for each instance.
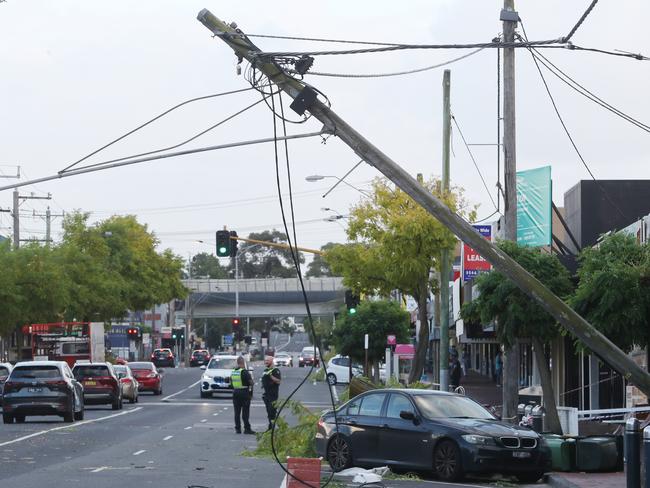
(534, 201)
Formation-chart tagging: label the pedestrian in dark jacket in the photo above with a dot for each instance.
(455, 371)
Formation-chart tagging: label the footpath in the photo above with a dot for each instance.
(483, 390)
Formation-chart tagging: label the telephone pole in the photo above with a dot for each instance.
(16, 215)
(306, 99)
(511, 358)
(444, 257)
(48, 216)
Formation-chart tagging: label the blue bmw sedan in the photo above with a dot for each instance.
(426, 430)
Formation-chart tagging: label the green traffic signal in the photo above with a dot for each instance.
(223, 251)
(174, 336)
(352, 311)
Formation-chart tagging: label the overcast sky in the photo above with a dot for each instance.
(76, 74)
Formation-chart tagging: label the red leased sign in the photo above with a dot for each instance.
(473, 262)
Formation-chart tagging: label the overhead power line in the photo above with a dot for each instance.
(471, 155)
(191, 100)
(397, 73)
(566, 130)
(580, 21)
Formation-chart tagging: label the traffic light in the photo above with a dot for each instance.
(236, 328)
(351, 301)
(223, 244)
(133, 332)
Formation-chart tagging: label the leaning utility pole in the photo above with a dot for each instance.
(511, 358)
(305, 98)
(444, 257)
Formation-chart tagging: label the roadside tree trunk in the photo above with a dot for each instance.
(552, 418)
(423, 335)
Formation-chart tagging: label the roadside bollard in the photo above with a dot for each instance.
(632, 453)
(538, 418)
(646, 456)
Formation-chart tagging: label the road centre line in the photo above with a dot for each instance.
(168, 437)
(187, 428)
(99, 469)
(137, 453)
(181, 391)
(67, 426)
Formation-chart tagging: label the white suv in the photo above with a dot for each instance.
(216, 375)
(338, 370)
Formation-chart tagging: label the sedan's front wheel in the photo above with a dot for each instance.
(339, 454)
(532, 477)
(7, 418)
(447, 462)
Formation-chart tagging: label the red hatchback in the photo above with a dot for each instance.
(149, 379)
(100, 383)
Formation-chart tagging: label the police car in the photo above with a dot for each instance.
(216, 375)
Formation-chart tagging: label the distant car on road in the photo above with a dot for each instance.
(338, 370)
(149, 378)
(216, 375)
(199, 357)
(42, 388)
(426, 430)
(283, 359)
(308, 358)
(5, 371)
(100, 383)
(163, 357)
(130, 386)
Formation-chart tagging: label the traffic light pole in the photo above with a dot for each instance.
(530, 285)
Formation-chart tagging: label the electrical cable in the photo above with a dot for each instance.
(156, 151)
(315, 39)
(149, 122)
(566, 130)
(623, 54)
(485, 218)
(553, 69)
(580, 21)
(453, 117)
(398, 73)
(405, 47)
(305, 298)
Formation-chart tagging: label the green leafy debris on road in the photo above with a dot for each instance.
(296, 440)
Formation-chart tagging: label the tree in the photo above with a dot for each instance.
(113, 266)
(614, 290)
(395, 244)
(259, 261)
(319, 265)
(517, 316)
(378, 319)
(206, 265)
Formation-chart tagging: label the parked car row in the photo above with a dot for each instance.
(53, 388)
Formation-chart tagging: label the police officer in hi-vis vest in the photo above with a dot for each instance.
(242, 384)
(271, 384)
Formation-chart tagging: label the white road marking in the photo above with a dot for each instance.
(187, 428)
(99, 469)
(168, 437)
(137, 453)
(181, 391)
(67, 426)
(215, 414)
(204, 420)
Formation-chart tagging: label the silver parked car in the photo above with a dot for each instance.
(130, 386)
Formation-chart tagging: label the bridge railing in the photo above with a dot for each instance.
(264, 285)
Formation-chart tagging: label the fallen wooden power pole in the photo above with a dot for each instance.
(564, 314)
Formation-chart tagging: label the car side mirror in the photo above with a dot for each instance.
(203, 367)
(407, 415)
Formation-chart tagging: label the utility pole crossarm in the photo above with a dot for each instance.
(530, 285)
(277, 244)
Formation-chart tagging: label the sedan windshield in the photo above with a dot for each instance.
(222, 363)
(36, 372)
(146, 366)
(447, 406)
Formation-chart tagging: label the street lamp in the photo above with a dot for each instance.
(313, 178)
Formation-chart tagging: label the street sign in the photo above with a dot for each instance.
(365, 342)
(227, 340)
(473, 262)
(391, 340)
(265, 342)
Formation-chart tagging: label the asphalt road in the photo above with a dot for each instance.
(173, 440)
